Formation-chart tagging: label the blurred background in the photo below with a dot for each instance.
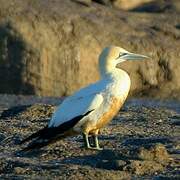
(51, 47)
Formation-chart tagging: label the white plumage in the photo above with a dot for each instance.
(91, 108)
(94, 97)
(73, 107)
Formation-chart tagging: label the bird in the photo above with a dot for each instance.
(91, 108)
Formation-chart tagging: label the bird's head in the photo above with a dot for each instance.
(113, 55)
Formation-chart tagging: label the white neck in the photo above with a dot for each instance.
(120, 78)
(106, 68)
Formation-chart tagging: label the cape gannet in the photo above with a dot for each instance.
(92, 107)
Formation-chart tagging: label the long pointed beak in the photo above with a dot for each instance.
(132, 56)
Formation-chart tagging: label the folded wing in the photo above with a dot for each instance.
(73, 107)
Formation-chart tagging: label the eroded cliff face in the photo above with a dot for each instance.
(51, 48)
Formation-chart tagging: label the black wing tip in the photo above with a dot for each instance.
(37, 144)
(23, 141)
(34, 135)
(47, 135)
(88, 112)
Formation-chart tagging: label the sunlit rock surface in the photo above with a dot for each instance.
(51, 48)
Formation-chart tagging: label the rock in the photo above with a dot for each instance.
(51, 48)
(3, 165)
(144, 167)
(2, 137)
(155, 153)
(148, 160)
(19, 170)
(119, 164)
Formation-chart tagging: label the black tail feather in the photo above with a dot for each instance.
(39, 143)
(35, 145)
(34, 135)
(48, 135)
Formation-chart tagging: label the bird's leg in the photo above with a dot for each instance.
(96, 142)
(95, 139)
(86, 141)
(87, 144)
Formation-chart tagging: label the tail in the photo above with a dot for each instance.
(40, 142)
(35, 135)
(41, 138)
(49, 135)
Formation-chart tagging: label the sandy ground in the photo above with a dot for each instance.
(140, 142)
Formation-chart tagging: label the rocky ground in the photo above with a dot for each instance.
(141, 142)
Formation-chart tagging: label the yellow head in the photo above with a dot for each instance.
(113, 55)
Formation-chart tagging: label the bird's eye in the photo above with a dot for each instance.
(122, 54)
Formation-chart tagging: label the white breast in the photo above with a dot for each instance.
(120, 84)
(118, 87)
